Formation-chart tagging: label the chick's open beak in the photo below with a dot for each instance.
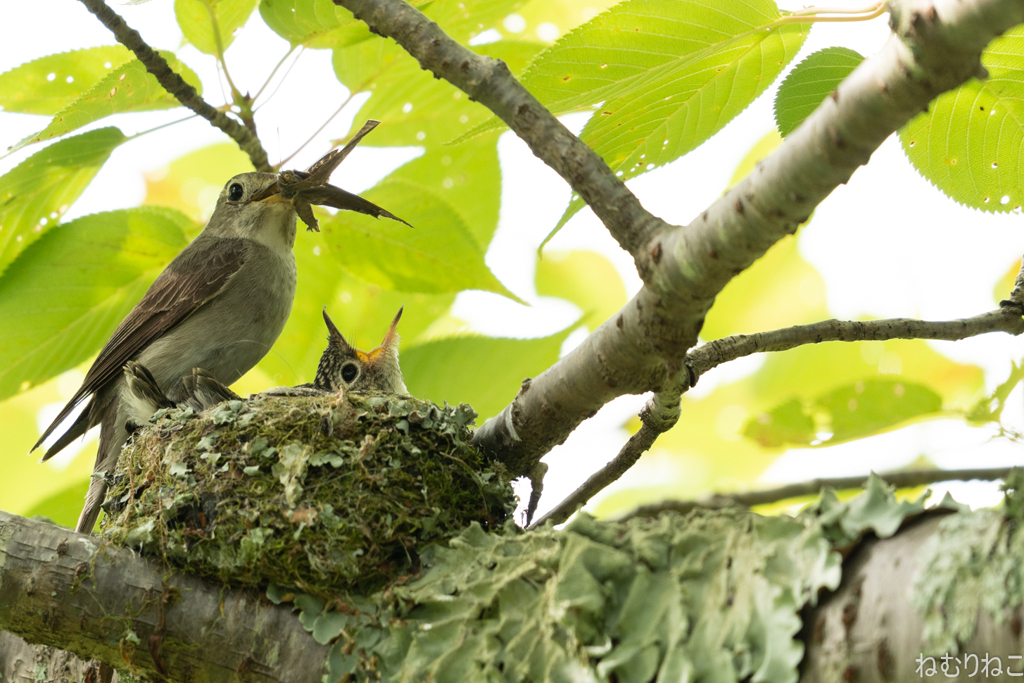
(271, 195)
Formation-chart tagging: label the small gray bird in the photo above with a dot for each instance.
(219, 305)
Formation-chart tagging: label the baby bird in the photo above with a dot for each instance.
(345, 368)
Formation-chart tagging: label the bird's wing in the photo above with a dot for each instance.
(195, 276)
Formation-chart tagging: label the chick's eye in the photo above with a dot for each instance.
(235, 192)
(349, 372)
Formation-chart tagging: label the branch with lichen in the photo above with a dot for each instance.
(173, 83)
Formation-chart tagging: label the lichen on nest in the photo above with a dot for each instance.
(325, 494)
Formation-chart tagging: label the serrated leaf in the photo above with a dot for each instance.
(809, 83)
(968, 142)
(450, 369)
(67, 292)
(36, 192)
(668, 75)
(127, 88)
(439, 255)
(585, 278)
(196, 19)
(48, 84)
(418, 108)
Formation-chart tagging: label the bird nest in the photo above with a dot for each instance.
(324, 494)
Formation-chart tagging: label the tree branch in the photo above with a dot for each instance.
(489, 82)
(936, 47)
(174, 84)
(82, 595)
(1007, 319)
(812, 487)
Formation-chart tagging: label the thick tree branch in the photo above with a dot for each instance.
(813, 487)
(174, 84)
(935, 48)
(489, 82)
(79, 594)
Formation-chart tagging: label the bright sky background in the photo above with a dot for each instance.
(887, 244)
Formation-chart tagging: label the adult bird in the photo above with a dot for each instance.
(219, 305)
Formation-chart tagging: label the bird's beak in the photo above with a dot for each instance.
(271, 195)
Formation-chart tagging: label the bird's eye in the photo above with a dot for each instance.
(349, 372)
(235, 192)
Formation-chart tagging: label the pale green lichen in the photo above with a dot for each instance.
(969, 567)
(710, 596)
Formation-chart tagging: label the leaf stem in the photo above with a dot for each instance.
(274, 71)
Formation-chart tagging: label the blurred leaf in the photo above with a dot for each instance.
(361, 311)
(48, 84)
(314, 23)
(485, 372)
(195, 17)
(810, 83)
(64, 506)
(537, 17)
(1005, 285)
(990, 408)
(467, 176)
(848, 412)
(127, 88)
(36, 192)
(780, 289)
(667, 76)
(66, 293)
(787, 423)
(439, 255)
(419, 109)
(465, 19)
(968, 142)
(585, 278)
(193, 182)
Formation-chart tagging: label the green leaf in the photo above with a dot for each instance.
(439, 255)
(66, 293)
(810, 83)
(585, 278)
(127, 88)
(314, 23)
(48, 84)
(467, 176)
(849, 412)
(35, 193)
(418, 109)
(669, 74)
(990, 408)
(968, 142)
(196, 17)
(452, 369)
(464, 19)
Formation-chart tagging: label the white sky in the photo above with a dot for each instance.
(887, 244)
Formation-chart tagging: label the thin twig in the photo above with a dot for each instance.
(174, 84)
(661, 412)
(1007, 318)
(906, 479)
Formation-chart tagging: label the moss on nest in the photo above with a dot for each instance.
(319, 493)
